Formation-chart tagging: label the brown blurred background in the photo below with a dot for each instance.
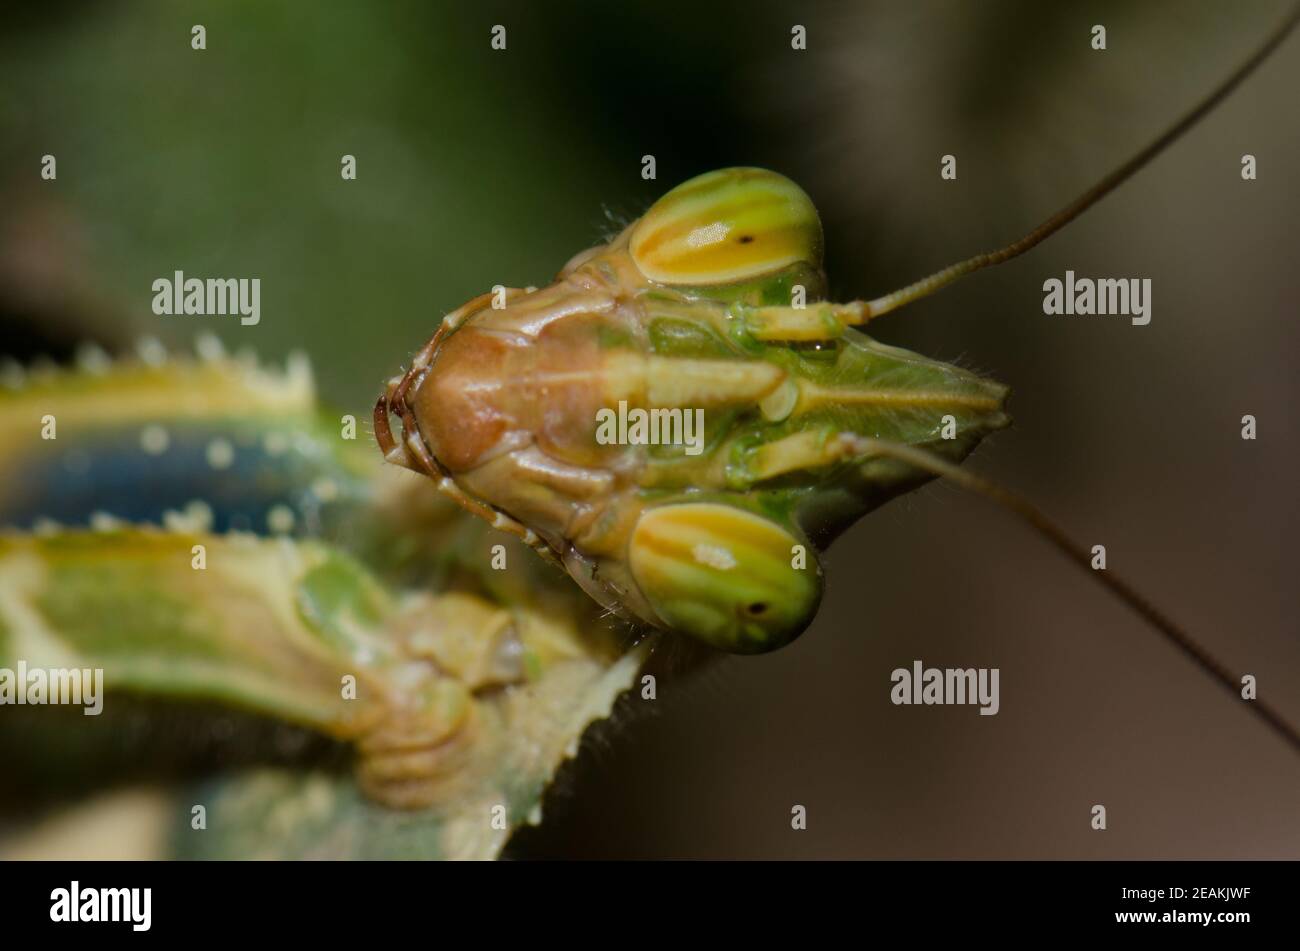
(479, 167)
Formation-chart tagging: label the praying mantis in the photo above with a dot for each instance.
(457, 690)
(689, 309)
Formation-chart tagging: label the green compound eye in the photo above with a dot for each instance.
(725, 576)
(727, 227)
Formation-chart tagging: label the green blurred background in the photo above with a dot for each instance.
(478, 167)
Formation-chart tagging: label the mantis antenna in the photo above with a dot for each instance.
(1077, 553)
(1020, 506)
(869, 310)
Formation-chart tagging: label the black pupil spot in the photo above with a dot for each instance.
(745, 238)
(758, 607)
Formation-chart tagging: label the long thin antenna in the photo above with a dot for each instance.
(940, 279)
(1082, 556)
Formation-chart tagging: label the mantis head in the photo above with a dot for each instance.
(681, 420)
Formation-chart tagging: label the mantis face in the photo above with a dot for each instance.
(680, 419)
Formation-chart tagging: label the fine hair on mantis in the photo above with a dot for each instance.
(862, 311)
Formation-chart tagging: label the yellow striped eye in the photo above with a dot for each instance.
(726, 227)
(732, 579)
